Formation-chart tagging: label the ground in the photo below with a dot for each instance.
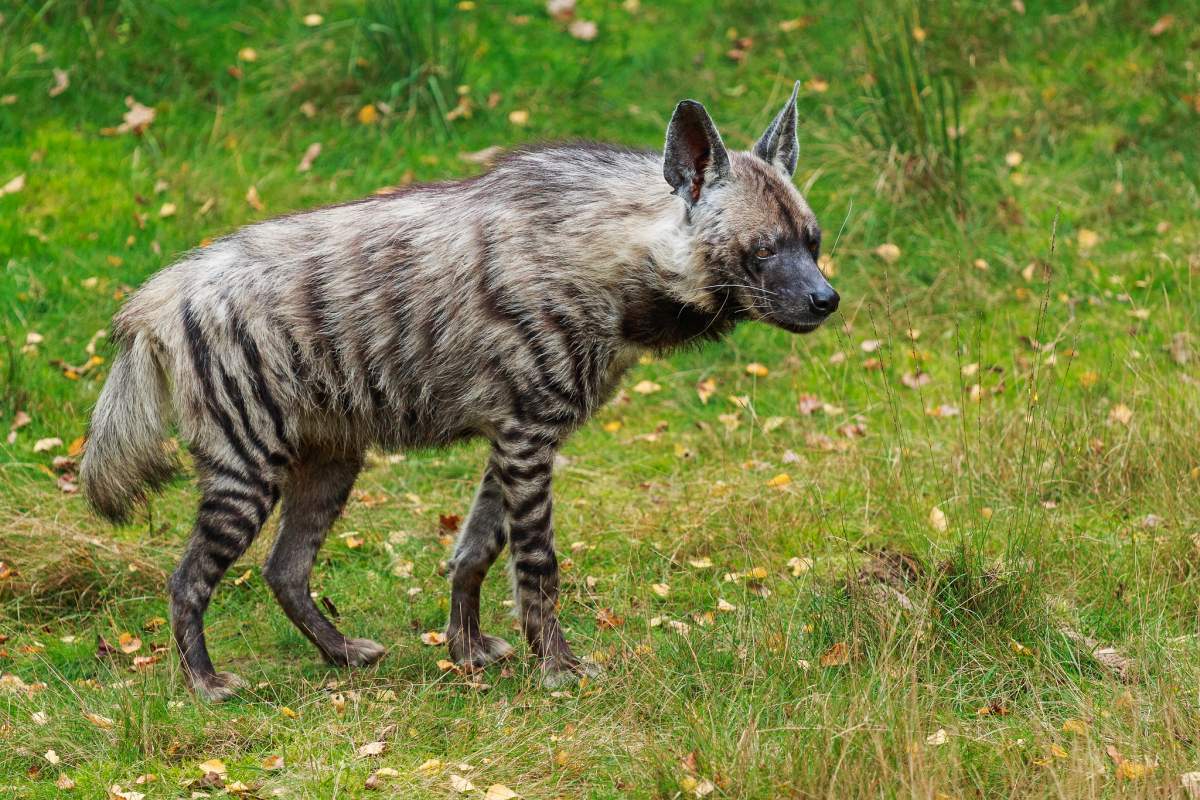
(944, 547)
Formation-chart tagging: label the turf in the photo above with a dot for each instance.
(1023, 361)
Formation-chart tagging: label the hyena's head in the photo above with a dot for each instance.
(754, 241)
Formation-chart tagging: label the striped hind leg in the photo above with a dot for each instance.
(236, 502)
(482, 539)
(313, 497)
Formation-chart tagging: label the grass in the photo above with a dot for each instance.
(1055, 300)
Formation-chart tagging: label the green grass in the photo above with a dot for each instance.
(1059, 515)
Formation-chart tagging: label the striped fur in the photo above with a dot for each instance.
(506, 306)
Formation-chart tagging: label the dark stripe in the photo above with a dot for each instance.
(260, 509)
(202, 361)
(262, 390)
(234, 392)
(230, 513)
(213, 534)
(543, 569)
(519, 533)
(529, 504)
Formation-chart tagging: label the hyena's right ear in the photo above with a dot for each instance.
(694, 158)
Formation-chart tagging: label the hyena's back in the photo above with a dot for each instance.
(411, 320)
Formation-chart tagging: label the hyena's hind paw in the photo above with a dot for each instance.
(356, 653)
(557, 673)
(217, 687)
(476, 652)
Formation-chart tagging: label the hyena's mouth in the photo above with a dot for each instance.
(794, 326)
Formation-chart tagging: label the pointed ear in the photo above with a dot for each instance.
(779, 145)
(694, 158)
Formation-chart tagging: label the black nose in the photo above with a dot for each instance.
(824, 301)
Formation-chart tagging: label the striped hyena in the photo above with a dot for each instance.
(506, 306)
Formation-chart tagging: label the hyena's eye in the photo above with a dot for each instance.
(764, 252)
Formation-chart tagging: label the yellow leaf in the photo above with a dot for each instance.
(313, 20)
(700, 563)
(248, 54)
(272, 762)
(647, 387)
(780, 480)
(1076, 726)
(98, 720)
(1132, 770)
(1057, 751)
(430, 766)
(367, 115)
(613, 426)
(1087, 239)
(212, 765)
(433, 638)
(757, 370)
(519, 117)
(289, 713)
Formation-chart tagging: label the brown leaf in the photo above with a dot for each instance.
(836, 656)
(1162, 25)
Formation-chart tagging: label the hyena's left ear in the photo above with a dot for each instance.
(779, 145)
(694, 158)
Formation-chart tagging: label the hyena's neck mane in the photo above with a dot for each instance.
(607, 216)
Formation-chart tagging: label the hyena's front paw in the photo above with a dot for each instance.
(218, 687)
(560, 672)
(357, 653)
(476, 652)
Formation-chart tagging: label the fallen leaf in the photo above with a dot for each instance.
(1087, 238)
(313, 20)
(519, 117)
(272, 762)
(661, 589)
(561, 10)
(725, 605)
(129, 643)
(52, 757)
(937, 520)
(937, 738)
(135, 120)
(582, 29)
(460, 784)
(42, 445)
(62, 81)
(498, 791)
(368, 114)
(98, 720)
(433, 638)
(1162, 25)
(370, 749)
(799, 565)
(13, 186)
(647, 387)
(705, 389)
(310, 155)
(836, 656)
(430, 766)
(487, 156)
(253, 199)
(65, 783)
(757, 370)
(1121, 414)
(1190, 781)
(889, 252)
(1076, 726)
(213, 765)
(780, 480)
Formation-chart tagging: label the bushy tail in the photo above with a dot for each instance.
(127, 451)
